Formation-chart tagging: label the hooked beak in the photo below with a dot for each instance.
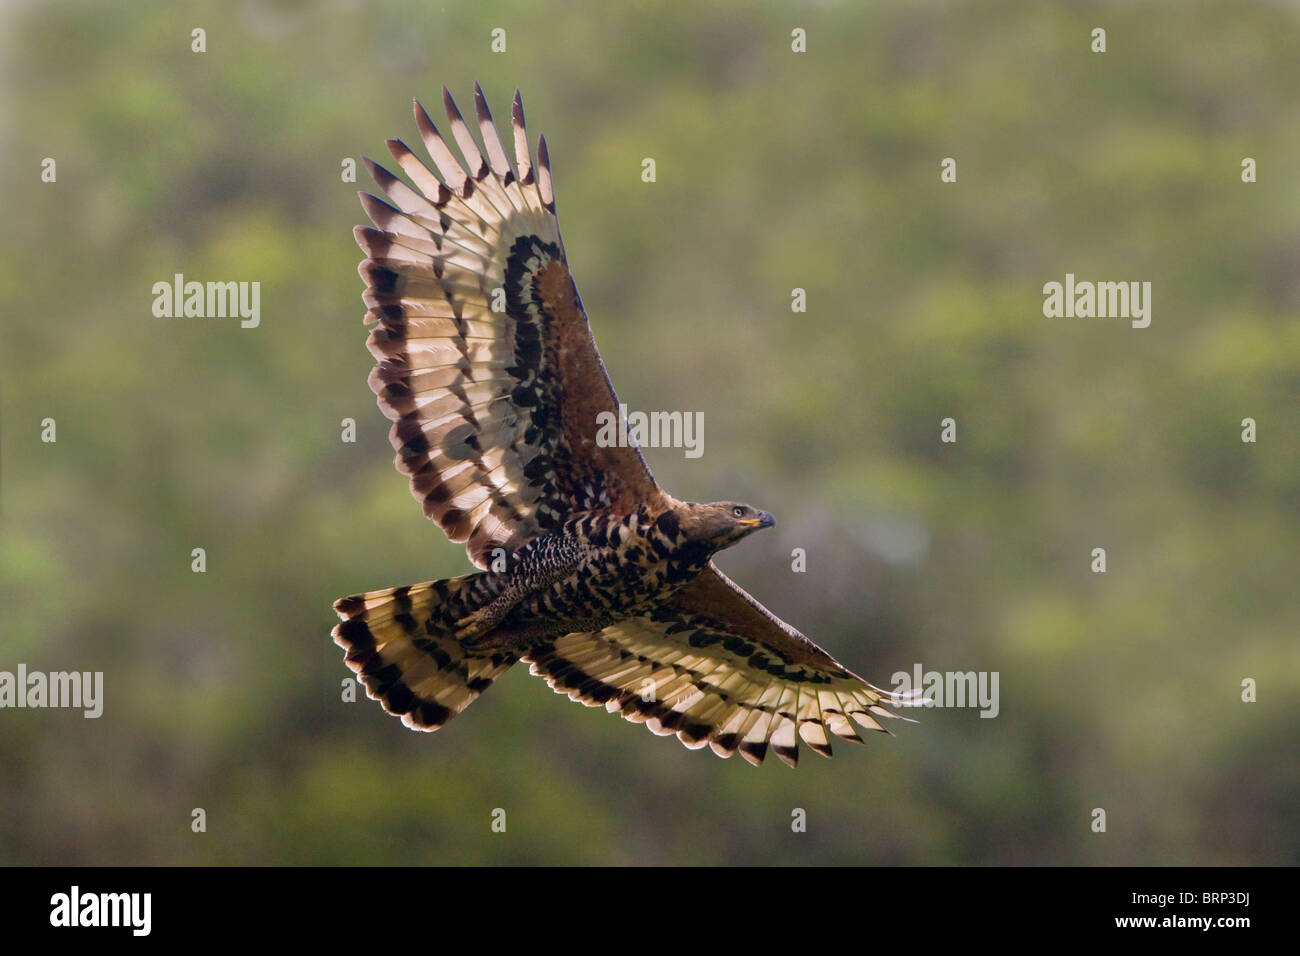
(764, 520)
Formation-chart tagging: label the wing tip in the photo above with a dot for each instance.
(544, 185)
(423, 120)
(449, 104)
(787, 755)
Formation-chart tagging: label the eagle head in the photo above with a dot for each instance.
(722, 523)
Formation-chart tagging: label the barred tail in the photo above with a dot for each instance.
(400, 643)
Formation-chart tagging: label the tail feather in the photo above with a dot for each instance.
(401, 643)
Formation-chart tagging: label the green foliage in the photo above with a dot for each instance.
(776, 170)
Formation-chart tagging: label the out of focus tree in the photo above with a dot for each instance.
(776, 170)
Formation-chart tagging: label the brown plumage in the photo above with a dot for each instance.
(592, 573)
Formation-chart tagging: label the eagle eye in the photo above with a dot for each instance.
(738, 511)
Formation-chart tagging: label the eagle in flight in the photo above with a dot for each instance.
(591, 573)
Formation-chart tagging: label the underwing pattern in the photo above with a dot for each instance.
(593, 574)
(497, 449)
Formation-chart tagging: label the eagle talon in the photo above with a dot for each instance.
(472, 626)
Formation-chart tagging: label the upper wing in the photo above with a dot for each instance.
(715, 667)
(494, 411)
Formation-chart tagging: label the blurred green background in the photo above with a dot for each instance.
(776, 170)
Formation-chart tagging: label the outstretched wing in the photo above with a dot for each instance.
(487, 366)
(715, 667)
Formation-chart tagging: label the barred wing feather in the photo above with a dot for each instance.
(487, 366)
(716, 668)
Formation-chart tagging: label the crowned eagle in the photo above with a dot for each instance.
(591, 573)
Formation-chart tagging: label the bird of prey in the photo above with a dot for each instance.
(594, 575)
